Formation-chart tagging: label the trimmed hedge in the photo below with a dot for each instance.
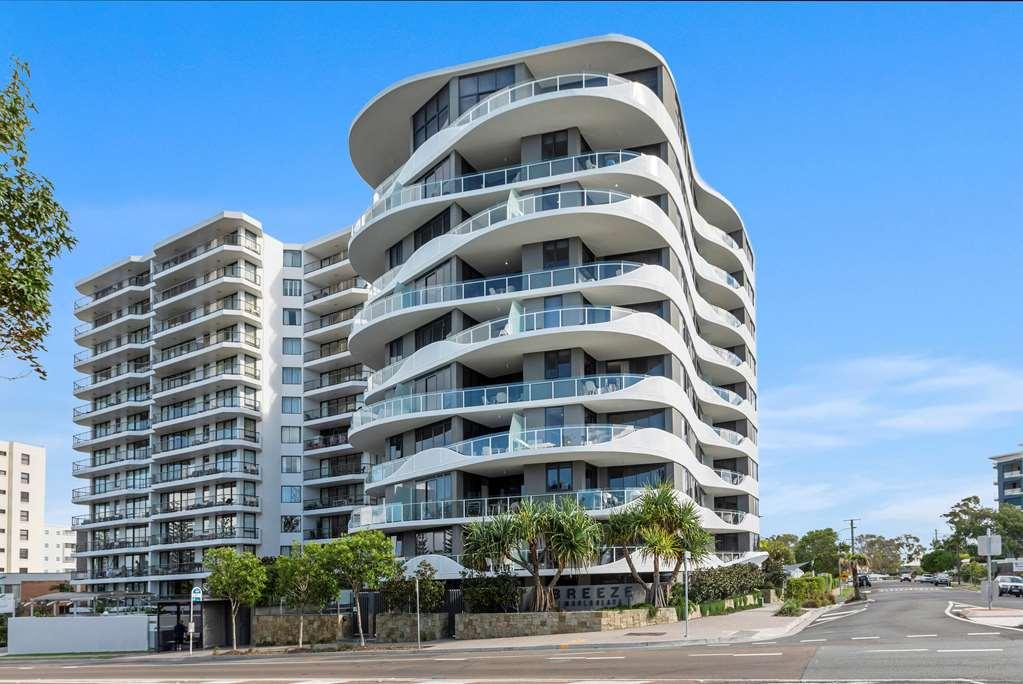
(720, 583)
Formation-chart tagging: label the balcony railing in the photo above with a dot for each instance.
(114, 544)
(176, 569)
(137, 309)
(230, 240)
(542, 86)
(139, 570)
(500, 327)
(209, 535)
(199, 374)
(495, 395)
(730, 436)
(198, 407)
(173, 442)
(325, 441)
(190, 472)
(730, 476)
(487, 287)
(96, 407)
(130, 368)
(113, 488)
(728, 357)
(731, 517)
(355, 499)
(349, 284)
(200, 503)
(326, 261)
(138, 454)
(206, 278)
(333, 470)
(332, 318)
(724, 317)
(337, 377)
(100, 433)
(117, 516)
(729, 556)
(203, 311)
(334, 408)
(206, 342)
(589, 499)
(733, 398)
(325, 350)
(134, 281)
(319, 534)
(496, 178)
(505, 442)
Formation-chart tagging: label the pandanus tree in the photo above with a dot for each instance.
(531, 535)
(661, 528)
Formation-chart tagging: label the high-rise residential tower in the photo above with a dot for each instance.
(22, 506)
(560, 306)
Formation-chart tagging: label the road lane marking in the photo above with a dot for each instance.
(919, 636)
(983, 633)
(969, 650)
(606, 658)
(808, 641)
(452, 659)
(754, 655)
(897, 650)
(709, 655)
(952, 604)
(763, 643)
(862, 638)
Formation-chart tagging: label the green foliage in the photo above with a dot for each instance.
(790, 609)
(880, 553)
(360, 561)
(399, 592)
(720, 583)
(304, 582)
(497, 593)
(825, 583)
(238, 577)
(807, 588)
(270, 595)
(820, 549)
(937, 561)
(973, 572)
(34, 230)
(779, 554)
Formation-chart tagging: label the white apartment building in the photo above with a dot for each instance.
(56, 549)
(560, 307)
(22, 506)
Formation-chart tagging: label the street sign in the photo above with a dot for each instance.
(196, 594)
(191, 628)
(989, 545)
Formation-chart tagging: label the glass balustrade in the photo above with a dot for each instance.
(349, 284)
(206, 278)
(495, 395)
(730, 436)
(486, 287)
(208, 341)
(316, 265)
(134, 281)
(731, 517)
(730, 476)
(542, 86)
(205, 310)
(226, 240)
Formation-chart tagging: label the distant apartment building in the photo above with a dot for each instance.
(22, 502)
(55, 551)
(1009, 478)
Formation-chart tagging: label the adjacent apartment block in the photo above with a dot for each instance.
(1009, 478)
(22, 506)
(56, 549)
(544, 300)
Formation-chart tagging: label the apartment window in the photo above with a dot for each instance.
(285, 551)
(555, 253)
(291, 464)
(653, 418)
(431, 117)
(292, 346)
(291, 435)
(23, 535)
(435, 435)
(395, 446)
(554, 416)
(23, 554)
(434, 228)
(292, 287)
(395, 350)
(291, 404)
(477, 87)
(635, 476)
(291, 494)
(293, 258)
(648, 77)
(22, 569)
(24, 497)
(291, 376)
(291, 523)
(23, 516)
(292, 317)
(395, 255)
(559, 477)
(24, 478)
(25, 459)
(434, 331)
(554, 145)
(557, 364)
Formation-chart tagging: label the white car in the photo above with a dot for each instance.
(1009, 584)
(926, 579)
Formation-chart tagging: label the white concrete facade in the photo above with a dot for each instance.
(22, 506)
(56, 549)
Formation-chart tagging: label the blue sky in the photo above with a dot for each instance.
(874, 152)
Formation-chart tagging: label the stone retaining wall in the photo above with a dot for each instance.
(282, 630)
(493, 625)
(401, 627)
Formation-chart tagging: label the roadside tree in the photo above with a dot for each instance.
(304, 583)
(820, 549)
(238, 577)
(360, 561)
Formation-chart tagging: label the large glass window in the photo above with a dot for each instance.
(557, 364)
(554, 145)
(291, 435)
(292, 317)
(434, 331)
(291, 464)
(555, 253)
(292, 287)
(653, 418)
(395, 255)
(395, 447)
(434, 228)
(477, 87)
(636, 476)
(292, 345)
(435, 435)
(559, 477)
(293, 258)
(291, 494)
(554, 416)
(291, 404)
(291, 375)
(431, 117)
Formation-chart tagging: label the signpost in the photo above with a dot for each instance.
(196, 598)
(419, 631)
(685, 572)
(989, 545)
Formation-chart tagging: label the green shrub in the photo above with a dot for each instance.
(720, 583)
(713, 608)
(399, 593)
(790, 609)
(490, 593)
(803, 589)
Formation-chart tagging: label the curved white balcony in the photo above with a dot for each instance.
(326, 444)
(326, 353)
(97, 436)
(199, 253)
(102, 490)
(225, 376)
(112, 350)
(332, 412)
(174, 445)
(119, 405)
(347, 380)
(331, 323)
(113, 323)
(233, 274)
(134, 285)
(204, 472)
(340, 294)
(169, 417)
(124, 516)
(195, 349)
(104, 547)
(194, 506)
(181, 322)
(98, 465)
(109, 377)
(329, 473)
(220, 536)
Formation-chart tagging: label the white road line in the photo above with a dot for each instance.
(451, 659)
(862, 638)
(948, 613)
(919, 636)
(897, 650)
(969, 650)
(763, 643)
(606, 658)
(808, 641)
(709, 655)
(754, 655)
(983, 633)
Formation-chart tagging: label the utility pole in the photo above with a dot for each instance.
(852, 551)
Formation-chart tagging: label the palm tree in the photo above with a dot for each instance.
(573, 540)
(855, 560)
(663, 529)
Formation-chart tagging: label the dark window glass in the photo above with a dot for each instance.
(554, 145)
(647, 77)
(435, 435)
(394, 350)
(477, 87)
(434, 331)
(555, 253)
(636, 476)
(435, 227)
(653, 418)
(395, 447)
(554, 416)
(431, 117)
(395, 256)
(558, 364)
(559, 477)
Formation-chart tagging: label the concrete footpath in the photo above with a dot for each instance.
(1011, 618)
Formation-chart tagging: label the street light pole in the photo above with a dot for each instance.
(685, 571)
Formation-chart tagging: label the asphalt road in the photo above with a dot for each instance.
(902, 634)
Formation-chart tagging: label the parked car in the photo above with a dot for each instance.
(863, 580)
(941, 579)
(1009, 584)
(906, 577)
(925, 578)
